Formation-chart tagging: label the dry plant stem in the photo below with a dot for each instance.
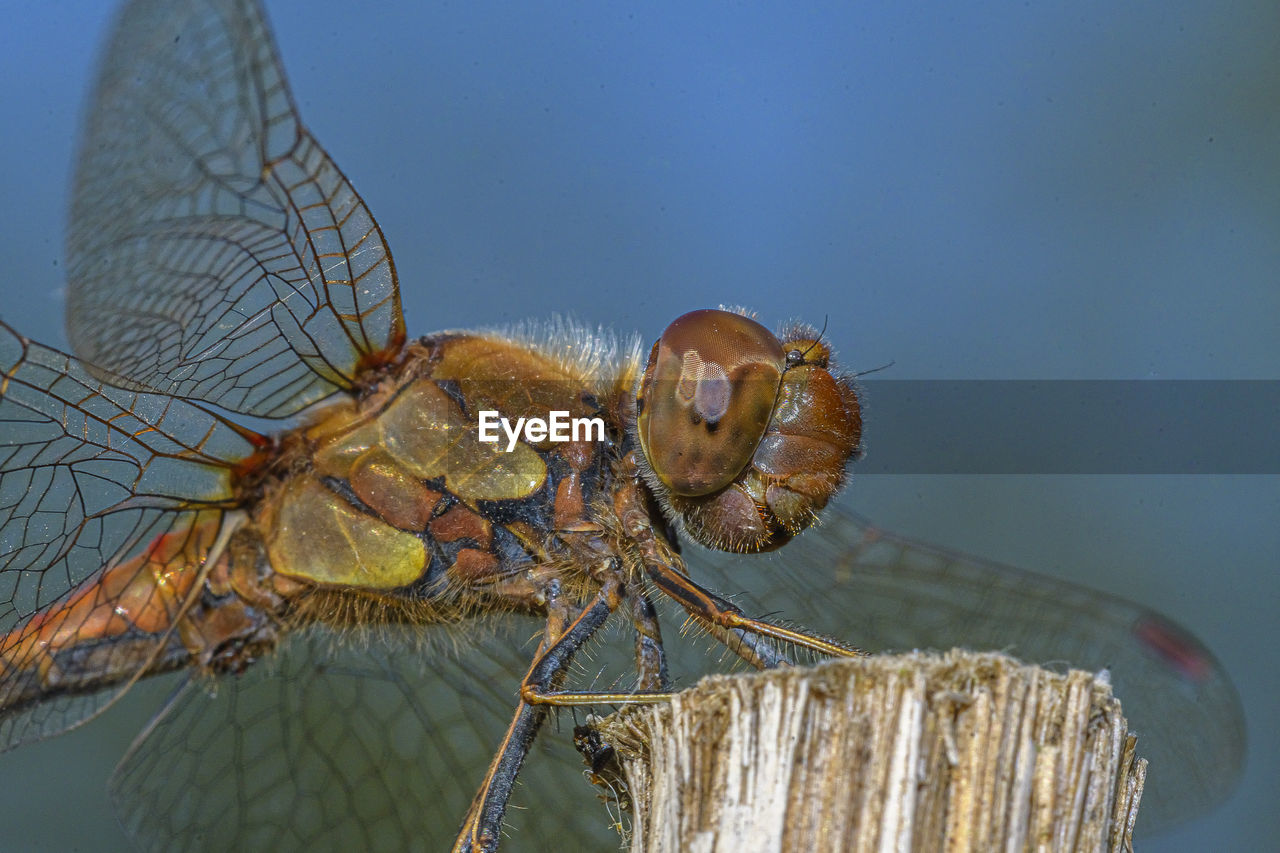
(951, 752)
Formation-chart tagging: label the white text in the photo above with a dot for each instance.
(558, 427)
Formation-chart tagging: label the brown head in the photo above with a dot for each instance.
(746, 435)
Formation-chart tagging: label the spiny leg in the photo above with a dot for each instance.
(651, 657)
(483, 824)
(753, 647)
(759, 652)
(717, 613)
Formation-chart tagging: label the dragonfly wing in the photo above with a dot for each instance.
(846, 579)
(358, 746)
(90, 475)
(215, 251)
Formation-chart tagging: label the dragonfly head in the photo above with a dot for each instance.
(746, 434)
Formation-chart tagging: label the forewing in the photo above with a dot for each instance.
(215, 250)
(846, 579)
(341, 746)
(89, 474)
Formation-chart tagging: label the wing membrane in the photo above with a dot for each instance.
(90, 474)
(236, 262)
(374, 746)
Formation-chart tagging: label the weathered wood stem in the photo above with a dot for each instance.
(951, 752)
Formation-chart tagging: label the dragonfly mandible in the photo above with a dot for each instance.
(222, 264)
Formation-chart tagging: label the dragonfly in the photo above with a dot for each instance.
(356, 598)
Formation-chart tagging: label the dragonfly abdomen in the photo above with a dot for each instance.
(182, 601)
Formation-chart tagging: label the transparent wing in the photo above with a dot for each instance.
(376, 746)
(89, 475)
(230, 258)
(849, 580)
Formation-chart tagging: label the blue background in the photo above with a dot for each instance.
(999, 191)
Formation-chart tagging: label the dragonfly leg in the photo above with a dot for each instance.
(732, 626)
(758, 651)
(652, 683)
(567, 629)
(651, 658)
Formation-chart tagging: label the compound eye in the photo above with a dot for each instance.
(706, 398)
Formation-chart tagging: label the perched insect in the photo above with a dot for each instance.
(221, 266)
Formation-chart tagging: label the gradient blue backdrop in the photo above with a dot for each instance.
(1085, 190)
